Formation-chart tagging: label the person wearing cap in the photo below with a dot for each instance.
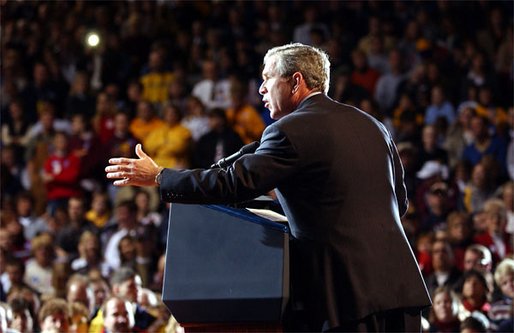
(437, 207)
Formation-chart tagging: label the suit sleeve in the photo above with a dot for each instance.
(250, 176)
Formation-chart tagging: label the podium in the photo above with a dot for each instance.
(227, 269)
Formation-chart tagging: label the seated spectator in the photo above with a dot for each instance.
(101, 292)
(244, 119)
(219, 142)
(170, 143)
(100, 211)
(124, 223)
(145, 121)
(122, 143)
(54, 316)
(14, 129)
(38, 271)
(103, 121)
(437, 207)
(495, 238)
(444, 271)
(430, 149)
(474, 295)
(497, 116)
(344, 91)
(86, 145)
(195, 118)
(61, 173)
(363, 75)
(484, 144)
(79, 318)
(459, 234)
(478, 257)
(480, 188)
(118, 315)
(444, 313)
(156, 77)
(125, 286)
(145, 215)
(79, 291)
(67, 237)
(507, 195)
(213, 91)
(474, 324)
(22, 320)
(439, 107)
(459, 133)
(79, 100)
(90, 255)
(502, 311)
(32, 224)
(387, 86)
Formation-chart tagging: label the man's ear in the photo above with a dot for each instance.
(297, 81)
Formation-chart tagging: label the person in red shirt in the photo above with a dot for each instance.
(494, 237)
(61, 173)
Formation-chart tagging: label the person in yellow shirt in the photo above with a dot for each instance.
(145, 121)
(157, 79)
(244, 119)
(170, 143)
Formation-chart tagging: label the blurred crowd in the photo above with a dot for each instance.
(182, 78)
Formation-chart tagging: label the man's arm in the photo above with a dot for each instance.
(250, 176)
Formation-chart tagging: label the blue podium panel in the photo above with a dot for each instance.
(225, 265)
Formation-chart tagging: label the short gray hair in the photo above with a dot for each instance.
(313, 63)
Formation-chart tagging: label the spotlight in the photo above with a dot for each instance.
(92, 39)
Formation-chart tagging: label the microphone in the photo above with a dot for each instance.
(246, 149)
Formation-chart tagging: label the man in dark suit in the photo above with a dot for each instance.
(339, 179)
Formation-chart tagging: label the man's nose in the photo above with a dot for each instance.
(262, 89)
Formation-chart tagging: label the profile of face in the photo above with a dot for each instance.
(444, 308)
(118, 316)
(55, 322)
(276, 91)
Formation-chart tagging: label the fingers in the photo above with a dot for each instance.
(139, 151)
(121, 182)
(120, 160)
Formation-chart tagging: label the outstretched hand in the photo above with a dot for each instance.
(133, 171)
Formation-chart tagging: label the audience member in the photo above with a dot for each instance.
(54, 316)
(61, 173)
(219, 142)
(495, 238)
(444, 314)
(22, 319)
(243, 117)
(170, 143)
(126, 284)
(145, 122)
(49, 77)
(118, 315)
(501, 312)
(38, 270)
(213, 91)
(444, 271)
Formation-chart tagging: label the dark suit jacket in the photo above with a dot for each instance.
(340, 182)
